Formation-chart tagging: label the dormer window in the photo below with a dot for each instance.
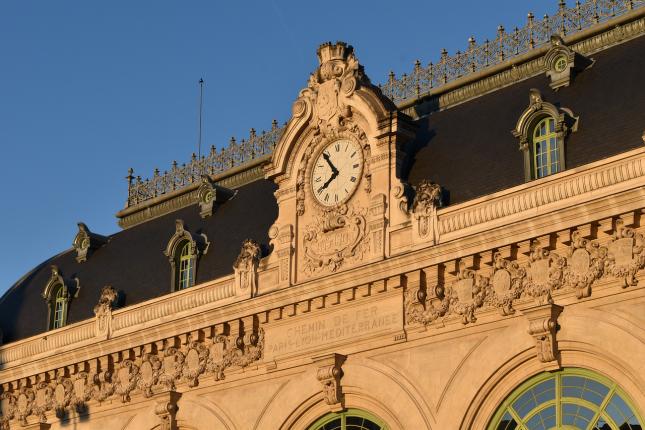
(546, 149)
(59, 308)
(541, 130)
(183, 251)
(186, 265)
(57, 296)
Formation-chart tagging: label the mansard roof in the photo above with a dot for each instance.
(470, 151)
(467, 148)
(134, 263)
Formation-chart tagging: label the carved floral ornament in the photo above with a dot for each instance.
(154, 374)
(545, 272)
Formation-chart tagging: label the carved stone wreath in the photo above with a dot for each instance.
(626, 254)
(467, 293)
(586, 263)
(505, 285)
(545, 273)
(336, 237)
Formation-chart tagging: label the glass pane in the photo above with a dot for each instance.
(507, 423)
(543, 420)
(601, 424)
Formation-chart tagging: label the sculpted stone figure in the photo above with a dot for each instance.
(246, 267)
(424, 212)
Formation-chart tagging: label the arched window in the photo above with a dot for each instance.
(573, 399)
(352, 419)
(57, 296)
(546, 149)
(541, 130)
(183, 250)
(59, 308)
(185, 266)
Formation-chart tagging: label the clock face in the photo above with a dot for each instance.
(336, 172)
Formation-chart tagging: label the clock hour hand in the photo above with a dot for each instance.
(326, 184)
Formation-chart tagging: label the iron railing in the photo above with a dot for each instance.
(407, 88)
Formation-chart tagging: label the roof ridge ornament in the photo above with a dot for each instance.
(85, 242)
(563, 63)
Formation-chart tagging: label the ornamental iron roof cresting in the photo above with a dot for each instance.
(402, 90)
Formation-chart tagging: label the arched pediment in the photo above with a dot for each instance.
(337, 90)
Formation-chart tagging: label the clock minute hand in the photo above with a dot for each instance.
(334, 170)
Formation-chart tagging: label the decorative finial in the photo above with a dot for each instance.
(337, 51)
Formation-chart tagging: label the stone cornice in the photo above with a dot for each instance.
(602, 188)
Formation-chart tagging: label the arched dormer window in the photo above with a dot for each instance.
(546, 149)
(59, 310)
(57, 296)
(186, 267)
(541, 130)
(183, 251)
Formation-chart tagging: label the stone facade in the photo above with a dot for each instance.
(425, 316)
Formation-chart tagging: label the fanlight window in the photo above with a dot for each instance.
(546, 150)
(352, 419)
(59, 308)
(572, 399)
(186, 267)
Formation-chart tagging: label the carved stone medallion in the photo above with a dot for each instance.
(336, 237)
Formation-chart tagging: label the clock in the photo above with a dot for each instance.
(336, 172)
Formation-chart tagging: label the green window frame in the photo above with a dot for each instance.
(571, 399)
(59, 309)
(350, 419)
(547, 150)
(186, 266)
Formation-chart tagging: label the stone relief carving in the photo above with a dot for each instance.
(427, 200)
(505, 284)
(103, 312)
(246, 268)
(85, 242)
(545, 273)
(467, 293)
(586, 263)
(329, 373)
(151, 375)
(543, 326)
(626, 254)
(166, 409)
(336, 237)
(228, 350)
(423, 307)
(126, 379)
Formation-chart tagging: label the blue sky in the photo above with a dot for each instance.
(89, 89)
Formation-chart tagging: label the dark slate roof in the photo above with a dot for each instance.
(134, 263)
(469, 150)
